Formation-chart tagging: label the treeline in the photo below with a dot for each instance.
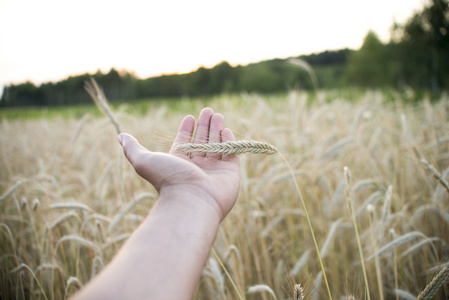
(417, 56)
(264, 77)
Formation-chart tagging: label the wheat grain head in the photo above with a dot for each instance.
(298, 293)
(435, 284)
(231, 147)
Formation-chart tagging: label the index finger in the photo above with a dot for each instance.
(184, 136)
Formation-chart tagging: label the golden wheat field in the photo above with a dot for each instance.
(69, 199)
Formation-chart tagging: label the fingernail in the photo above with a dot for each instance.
(120, 139)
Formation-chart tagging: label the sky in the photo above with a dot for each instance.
(49, 40)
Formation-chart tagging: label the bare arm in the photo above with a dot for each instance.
(164, 257)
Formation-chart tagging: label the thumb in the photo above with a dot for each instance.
(146, 163)
(136, 154)
(157, 168)
(131, 147)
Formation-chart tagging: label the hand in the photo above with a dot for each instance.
(165, 255)
(214, 178)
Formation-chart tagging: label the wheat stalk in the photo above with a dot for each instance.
(227, 273)
(407, 237)
(26, 267)
(64, 217)
(231, 147)
(71, 205)
(261, 288)
(72, 281)
(435, 174)
(97, 265)
(13, 188)
(128, 208)
(317, 283)
(35, 204)
(404, 294)
(330, 238)
(80, 241)
(301, 262)
(308, 68)
(420, 245)
(347, 176)
(371, 210)
(98, 96)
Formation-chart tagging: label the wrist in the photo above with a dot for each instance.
(190, 202)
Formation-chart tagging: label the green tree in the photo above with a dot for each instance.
(223, 78)
(437, 15)
(24, 94)
(258, 78)
(424, 47)
(367, 66)
(201, 82)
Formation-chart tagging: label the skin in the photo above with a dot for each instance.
(165, 255)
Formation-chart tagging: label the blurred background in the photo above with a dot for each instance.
(141, 49)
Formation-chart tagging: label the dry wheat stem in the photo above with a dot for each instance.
(227, 274)
(376, 257)
(261, 288)
(403, 294)
(13, 188)
(72, 281)
(298, 190)
(435, 174)
(26, 267)
(356, 230)
(231, 147)
(98, 96)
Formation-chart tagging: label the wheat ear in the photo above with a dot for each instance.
(232, 147)
(435, 284)
(298, 292)
(435, 174)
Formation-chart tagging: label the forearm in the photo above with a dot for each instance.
(164, 257)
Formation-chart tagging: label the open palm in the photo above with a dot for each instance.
(214, 175)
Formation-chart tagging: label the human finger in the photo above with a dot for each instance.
(202, 130)
(215, 128)
(137, 155)
(228, 136)
(184, 136)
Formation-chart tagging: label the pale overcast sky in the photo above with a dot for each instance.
(48, 40)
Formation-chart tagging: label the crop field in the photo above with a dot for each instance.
(372, 167)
